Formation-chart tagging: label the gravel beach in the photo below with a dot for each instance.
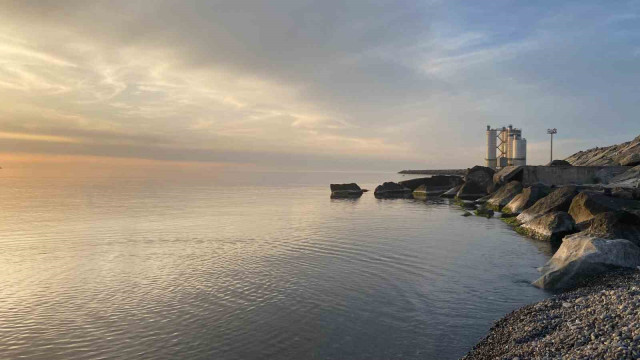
(597, 319)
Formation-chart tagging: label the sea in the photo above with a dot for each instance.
(240, 264)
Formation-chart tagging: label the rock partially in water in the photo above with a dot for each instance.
(483, 200)
(551, 227)
(558, 200)
(485, 212)
(478, 182)
(451, 193)
(391, 190)
(504, 195)
(434, 183)
(587, 204)
(433, 186)
(345, 190)
(582, 255)
(471, 191)
(529, 196)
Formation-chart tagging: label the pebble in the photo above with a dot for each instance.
(599, 319)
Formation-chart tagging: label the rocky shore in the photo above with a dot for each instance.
(598, 319)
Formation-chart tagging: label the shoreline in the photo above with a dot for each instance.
(599, 318)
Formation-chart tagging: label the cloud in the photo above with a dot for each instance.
(396, 82)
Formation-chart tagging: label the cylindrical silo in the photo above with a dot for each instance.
(491, 148)
(520, 152)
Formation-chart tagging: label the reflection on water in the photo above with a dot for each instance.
(210, 265)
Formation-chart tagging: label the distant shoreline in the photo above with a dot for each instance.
(435, 172)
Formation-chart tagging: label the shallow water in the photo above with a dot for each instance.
(246, 265)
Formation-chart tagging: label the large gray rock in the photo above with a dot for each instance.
(433, 183)
(527, 198)
(615, 225)
(558, 200)
(478, 182)
(506, 174)
(390, 190)
(628, 179)
(504, 195)
(345, 190)
(471, 191)
(607, 174)
(551, 227)
(631, 160)
(609, 155)
(480, 175)
(587, 204)
(582, 255)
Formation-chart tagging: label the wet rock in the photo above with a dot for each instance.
(552, 226)
(451, 193)
(587, 204)
(471, 191)
(483, 200)
(485, 212)
(527, 198)
(434, 183)
(391, 190)
(504, 195)
(345, 190)
(581, 255)
(558, 200)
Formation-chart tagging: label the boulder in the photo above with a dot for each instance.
(608, 155)
(483, 200)
(628, 179)
(483, 211)
(526, 198)
(345, 190)
(588, 204)
(631, 160)
(558, 200)
(623, 193)
(504, 195)
(506, 174)
(559, 163)
(390, 190)
(607, 174)
(552, 226)
(434, 183)
(481, 176)
(451, 193)
(581, 255)
(615, 225)
(471, 191)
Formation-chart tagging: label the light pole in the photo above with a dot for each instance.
(551, 132)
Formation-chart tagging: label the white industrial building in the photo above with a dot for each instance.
(505, 147)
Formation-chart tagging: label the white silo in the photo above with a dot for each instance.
(520, 152)
(491, 148)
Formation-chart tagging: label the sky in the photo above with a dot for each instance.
(314, 85)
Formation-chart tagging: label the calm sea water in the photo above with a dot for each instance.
(240, 265)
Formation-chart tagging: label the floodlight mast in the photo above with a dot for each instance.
(551, 132)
